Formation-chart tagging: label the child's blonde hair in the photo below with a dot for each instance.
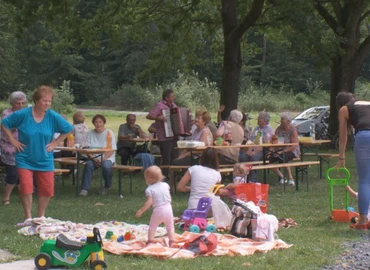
(242, 169)
(153, 174)
(78, 118)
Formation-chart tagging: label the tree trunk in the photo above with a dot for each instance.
(233, 32)
(230, 77)
(344, 71)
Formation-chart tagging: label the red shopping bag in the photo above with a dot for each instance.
(255, 192)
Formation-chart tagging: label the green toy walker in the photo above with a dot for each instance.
(65, 252)
(340, 215)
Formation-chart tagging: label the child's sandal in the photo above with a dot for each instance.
(6, 202)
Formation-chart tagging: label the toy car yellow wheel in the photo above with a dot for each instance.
(43, 261)
(98, 265)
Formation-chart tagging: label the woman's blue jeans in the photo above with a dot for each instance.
(87, 175)
(362, 157)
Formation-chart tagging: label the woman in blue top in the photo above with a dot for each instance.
(35, 144)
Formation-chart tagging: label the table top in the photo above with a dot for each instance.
(315, 142)
(199, 148)
(84, 150)
(143, 140)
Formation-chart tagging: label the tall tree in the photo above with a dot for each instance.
(347, 20)
(233, 30)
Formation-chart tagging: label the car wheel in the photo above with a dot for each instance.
(43, 261)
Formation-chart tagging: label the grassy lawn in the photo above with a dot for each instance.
(316, 240)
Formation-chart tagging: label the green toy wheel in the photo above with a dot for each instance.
(211, 228)
(194, 229)
(98, 265)
(43, 261)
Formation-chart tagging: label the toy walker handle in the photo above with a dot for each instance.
(214, 189)
(345, 170)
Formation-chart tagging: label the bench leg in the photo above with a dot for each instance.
(57, 180)
(120, 185)
(120, 176)
(304, 175)
(172, 183)
(130, 178)
(296, 179)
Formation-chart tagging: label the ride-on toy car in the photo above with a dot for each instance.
(65, 252)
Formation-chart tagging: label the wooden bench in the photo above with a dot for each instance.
(157, 159)
(72, 161)
(125, 170)
(323, 158)
(301, 166)
(57, 174)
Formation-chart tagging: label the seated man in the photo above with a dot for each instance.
(126, 132)
(154, 147)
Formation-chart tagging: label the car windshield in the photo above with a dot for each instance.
(311, 113)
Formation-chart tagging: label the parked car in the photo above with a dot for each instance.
(318, 115)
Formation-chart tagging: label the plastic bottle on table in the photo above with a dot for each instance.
(257, 138)
(70, 140)
(228, 136)
(109, 140)
(312, 131)
(260, 138)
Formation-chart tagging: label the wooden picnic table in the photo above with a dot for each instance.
(96, 151)
(314, 145)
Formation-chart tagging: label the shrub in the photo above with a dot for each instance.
(63, 99)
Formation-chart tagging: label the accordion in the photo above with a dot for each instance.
(177, 122)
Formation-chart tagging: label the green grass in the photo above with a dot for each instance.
(316, 240)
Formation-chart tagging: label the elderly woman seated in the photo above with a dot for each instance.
(234, 133)
(201, 133)
(290, 135)
(256, 153)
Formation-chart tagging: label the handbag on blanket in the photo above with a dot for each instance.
(201, 243)
(243, 222)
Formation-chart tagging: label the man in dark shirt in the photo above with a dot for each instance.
(125, 147)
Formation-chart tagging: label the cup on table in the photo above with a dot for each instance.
(280, 140)
(77, 146)
(144, 136)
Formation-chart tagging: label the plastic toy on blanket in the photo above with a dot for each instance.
(196, 219)
(65, 252)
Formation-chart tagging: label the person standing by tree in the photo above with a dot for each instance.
(166, 144)
(356, 113)
(35, 144)
(17, 100)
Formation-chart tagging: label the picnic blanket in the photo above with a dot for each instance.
(226, 244)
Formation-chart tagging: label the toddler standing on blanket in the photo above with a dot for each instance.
(158, 196)
(240, 174)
